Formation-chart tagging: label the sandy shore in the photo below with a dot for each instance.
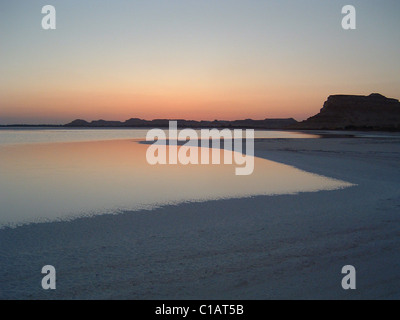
(266, 247)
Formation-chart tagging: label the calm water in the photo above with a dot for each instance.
(24, 136)
(64, 180)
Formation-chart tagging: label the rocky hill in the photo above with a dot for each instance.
(160, 123)
(375, 112)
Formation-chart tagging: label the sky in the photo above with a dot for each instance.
(191, 59)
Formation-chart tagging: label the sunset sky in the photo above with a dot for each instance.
(192, 59)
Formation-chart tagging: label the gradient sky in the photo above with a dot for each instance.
(193, 59)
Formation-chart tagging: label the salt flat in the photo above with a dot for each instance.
(264, 247)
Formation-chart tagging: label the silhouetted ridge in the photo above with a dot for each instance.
(356, 112)
(159, 123)
(78, 123)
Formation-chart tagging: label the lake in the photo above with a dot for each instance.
(49, 175)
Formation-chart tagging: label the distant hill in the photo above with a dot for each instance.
(159, 123)
(339, 112)
(373, 112)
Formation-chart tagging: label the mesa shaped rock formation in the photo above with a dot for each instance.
(340, 112)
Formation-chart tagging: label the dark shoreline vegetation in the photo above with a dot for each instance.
(340, 112)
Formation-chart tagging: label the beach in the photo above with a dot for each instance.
(262, 247)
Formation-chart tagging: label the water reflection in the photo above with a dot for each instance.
(40, 135)
(41, 182)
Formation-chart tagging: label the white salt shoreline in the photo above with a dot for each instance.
(265, 247)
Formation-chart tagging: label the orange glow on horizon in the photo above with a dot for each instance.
(190, 104)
